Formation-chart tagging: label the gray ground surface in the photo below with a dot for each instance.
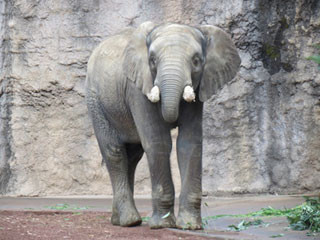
(211, 206)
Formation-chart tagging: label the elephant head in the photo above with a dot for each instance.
(174, 61)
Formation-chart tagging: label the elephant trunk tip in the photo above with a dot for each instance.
(154, 95)
(188, 94)
(171, 117)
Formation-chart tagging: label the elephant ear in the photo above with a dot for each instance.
(136, 61)
(222, 61)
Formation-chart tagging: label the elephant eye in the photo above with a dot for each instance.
(196, 61)
(152, 61)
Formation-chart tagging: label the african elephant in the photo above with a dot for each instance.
(140, 84)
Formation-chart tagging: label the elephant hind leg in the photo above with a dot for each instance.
(134, 153)
(124, 212)
(114, 153)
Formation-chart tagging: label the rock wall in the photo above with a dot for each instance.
(261, 132)
(5, 98)
(264, 129)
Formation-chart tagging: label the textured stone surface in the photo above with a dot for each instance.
(261, 132)
(5, 97)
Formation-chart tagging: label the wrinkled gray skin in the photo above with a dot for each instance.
(122, 70)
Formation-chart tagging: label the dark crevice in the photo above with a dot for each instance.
(275, 19)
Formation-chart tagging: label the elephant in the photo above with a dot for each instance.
(141, 83)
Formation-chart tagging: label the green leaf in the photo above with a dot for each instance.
(59, 206)
(204, 222)
(77, 213)
(243, 225)
(315, 58)
(303, 217)
(308, 216)
(233, 227)
(278, 235)
(145, 219)
(317, 46)
(64, 206)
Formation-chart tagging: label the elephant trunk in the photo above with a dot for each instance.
(172, 82)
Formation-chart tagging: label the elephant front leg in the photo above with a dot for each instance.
(189, 150)
(156, 141)
(162, 187)
(189, 157)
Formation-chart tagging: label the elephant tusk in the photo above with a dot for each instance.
(154, 95)
(188, 94)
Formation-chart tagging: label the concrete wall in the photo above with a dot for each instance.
(261, 132)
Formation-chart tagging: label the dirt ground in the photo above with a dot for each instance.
(88, 217)
(16, 225)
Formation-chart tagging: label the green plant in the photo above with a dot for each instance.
(77, 213)
(302, 217)
(102, 217)
(204, 222)
(66, 206)
(315, 58)
(277, 235)
(245, 224)
(264, 212)
(145, 219)
(271, 51)
(308, 216)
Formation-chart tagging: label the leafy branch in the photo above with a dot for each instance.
(302, 217)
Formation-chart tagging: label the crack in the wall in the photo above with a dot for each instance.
(273, 24)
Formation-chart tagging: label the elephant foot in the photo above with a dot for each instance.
(162, 221)
(189, 221)
(126, 217)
